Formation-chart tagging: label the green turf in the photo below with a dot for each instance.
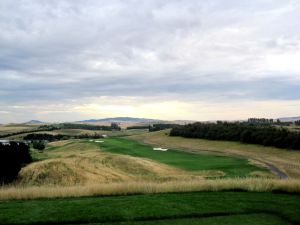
(260, 219)
(233, 167)
(176, 208)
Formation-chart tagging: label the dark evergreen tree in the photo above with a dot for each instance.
(12, 157)
(252, 133)
(38, 145)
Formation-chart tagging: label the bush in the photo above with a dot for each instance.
(12, 157)
(38, 145)
(161, 126)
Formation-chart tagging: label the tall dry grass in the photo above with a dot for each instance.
(129, 188)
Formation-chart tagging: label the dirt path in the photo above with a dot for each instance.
(277, 171)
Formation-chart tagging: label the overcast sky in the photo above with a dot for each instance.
(66, 60)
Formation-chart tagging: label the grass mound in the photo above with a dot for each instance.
(68, 163)
(50, 172)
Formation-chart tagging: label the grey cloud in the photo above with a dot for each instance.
(62, 50)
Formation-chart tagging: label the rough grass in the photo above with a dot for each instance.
(176, 208)
(73, 162)
(7, 129)
(230, 166)
(77, 162)
(287, 161)
(146, 187)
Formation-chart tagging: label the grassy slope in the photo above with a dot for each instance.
(185, 208)
(233, 167)
(286, 160)
(7, 129)
(79, 162)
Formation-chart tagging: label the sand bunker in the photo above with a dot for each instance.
(99, 141)
(160, 149)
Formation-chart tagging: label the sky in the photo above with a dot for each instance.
(66, 60)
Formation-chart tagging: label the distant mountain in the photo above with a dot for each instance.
(34, 122)
(121, 119)
(289, 119)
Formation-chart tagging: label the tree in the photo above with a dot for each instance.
(13, 156)
(38, 145)
(115, 126)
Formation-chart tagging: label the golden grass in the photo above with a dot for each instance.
(11, 129)
(287, 161)
(59, 143)
(79, 163)
(128, 188)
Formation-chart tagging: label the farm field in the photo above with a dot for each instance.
(7, 129)
(241, 208)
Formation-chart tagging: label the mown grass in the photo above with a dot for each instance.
(178, 208)
(231, 166)
(287, 161)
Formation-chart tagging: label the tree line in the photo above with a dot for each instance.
(40, 137)
(52, 127)
(263, 134)
(44, 137)
(153, 127)
(161, 126)
(269, 121)
(13, 156)
(113, 126)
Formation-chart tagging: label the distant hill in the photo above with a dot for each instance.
(34, 122)
(289, 119)
(121, 119)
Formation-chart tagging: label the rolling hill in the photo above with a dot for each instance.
(289, 119)
(121, 119)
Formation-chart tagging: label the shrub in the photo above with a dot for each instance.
(38, 145)
(12, 157)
